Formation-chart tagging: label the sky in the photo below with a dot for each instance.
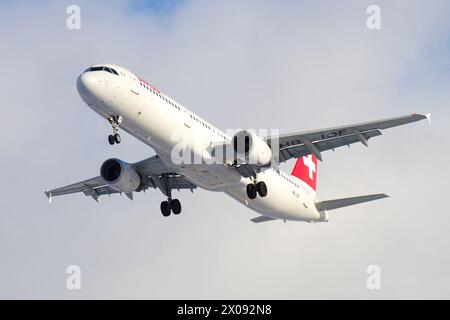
(288, 65)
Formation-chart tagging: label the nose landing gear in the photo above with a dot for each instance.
(115, 122)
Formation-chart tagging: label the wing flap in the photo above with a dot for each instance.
(300, 150)
(345, 202)
(100, 191)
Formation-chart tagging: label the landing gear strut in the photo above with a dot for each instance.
(253, 189)
(115, 123)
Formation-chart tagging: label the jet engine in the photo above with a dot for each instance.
(248, 147)
(120, 175)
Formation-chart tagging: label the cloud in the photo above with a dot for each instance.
(291, 65)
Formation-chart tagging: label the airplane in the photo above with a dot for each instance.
(243, 165)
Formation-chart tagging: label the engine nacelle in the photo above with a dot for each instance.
(120, 175)
(250, 148)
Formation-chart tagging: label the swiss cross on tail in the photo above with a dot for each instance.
(306, 170)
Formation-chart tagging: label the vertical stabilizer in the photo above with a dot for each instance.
(306, 170)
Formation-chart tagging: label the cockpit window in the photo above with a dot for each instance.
(95, 69)
(110, 70)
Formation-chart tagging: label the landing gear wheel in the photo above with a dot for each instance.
(262, 189)
(176, 206)
(115, 122)
(165, 208)
(251, 191)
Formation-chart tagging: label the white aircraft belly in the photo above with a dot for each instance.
(216, 177)
(147, 119)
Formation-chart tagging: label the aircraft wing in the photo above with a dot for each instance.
(300, 144)
(154, 173)
(94, 187)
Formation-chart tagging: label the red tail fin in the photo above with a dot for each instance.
(306, 170)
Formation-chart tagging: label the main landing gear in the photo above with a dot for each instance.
(253, 189)
(115, 123)
(171, 205)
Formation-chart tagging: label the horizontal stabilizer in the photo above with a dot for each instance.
(262, 219)
(344, 202)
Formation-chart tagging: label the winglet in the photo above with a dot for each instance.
(49, 196)
(428, 115)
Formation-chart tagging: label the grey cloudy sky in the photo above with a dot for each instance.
(292, 65)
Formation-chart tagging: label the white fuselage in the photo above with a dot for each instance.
(160, 122)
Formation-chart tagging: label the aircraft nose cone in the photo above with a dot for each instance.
(87, 82)
(88, 85)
